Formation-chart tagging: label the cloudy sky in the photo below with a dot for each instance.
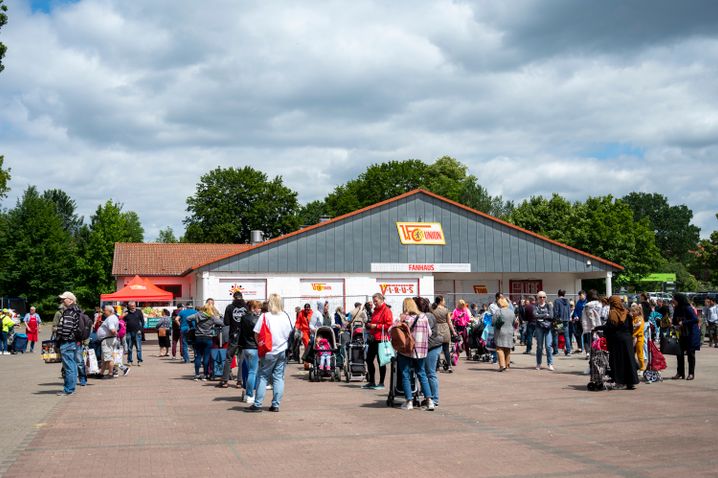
(135, 100)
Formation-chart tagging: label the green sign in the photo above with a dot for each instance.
(661, 277)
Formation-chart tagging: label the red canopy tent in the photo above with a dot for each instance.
(140, 290)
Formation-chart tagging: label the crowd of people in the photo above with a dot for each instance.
(552, 327)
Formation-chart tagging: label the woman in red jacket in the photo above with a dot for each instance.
(303, 323)
(378, 329)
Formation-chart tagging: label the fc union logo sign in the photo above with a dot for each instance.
(426, 233)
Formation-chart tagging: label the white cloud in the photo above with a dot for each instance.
(134, 101)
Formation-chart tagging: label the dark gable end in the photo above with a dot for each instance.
(351, 243)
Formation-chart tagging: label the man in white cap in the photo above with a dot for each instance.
(66, 336)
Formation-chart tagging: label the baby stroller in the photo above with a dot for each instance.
(656, 360)
(355, 357)
(481, 354)
(598, 366)
(316, 374)
(396, 385)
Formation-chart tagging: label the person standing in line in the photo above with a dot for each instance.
(273, 364)
(544, 324)
(205, 321)
(32, 327)
(176, 334)
(461, 318)
(233, 315)
(445, 328)
(67, 331)
(406, 362)
(530, 318)
(576, 321)
(378, 328)
(618, 333)
(712, 322)
(639, 323)
(686, 321)
(562, 314)
(248, 344)
(434, 345)
(186, 330)
(303, 320)
(591, 318)
(503, 323)
(106, 335)
(135, 321)
(164, 327)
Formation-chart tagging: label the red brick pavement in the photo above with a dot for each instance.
(158, 422)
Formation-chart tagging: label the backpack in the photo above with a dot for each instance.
(84, 327)
(402, 339)
(122, 330)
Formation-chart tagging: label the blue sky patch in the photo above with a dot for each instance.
(47, 5)
(614, 150)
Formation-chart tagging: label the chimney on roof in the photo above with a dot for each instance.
(324, 218)
(255, 237)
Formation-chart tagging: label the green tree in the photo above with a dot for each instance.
(4, 176)
(675, 235)
(37, 253)
(446, 177)
(108, 225)
(312, 212)
(705, 263)
(552, 218)
(66, 209)
(3, 22)
(167, 236)
(229, 203)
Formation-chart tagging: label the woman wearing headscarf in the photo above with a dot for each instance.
(618, 331)
(686, 321)
(503, 322)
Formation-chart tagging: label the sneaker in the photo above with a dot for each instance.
(550, 367)
(115, 375)
(430, 405)
(269, 387)
(139, 364)
(249, 400)
(273, 409)
(538, 367)
(368, 386)
(253, 409)
(408, 405)
(196, 378)
(126, 371)
(63, 394)
(378, 387)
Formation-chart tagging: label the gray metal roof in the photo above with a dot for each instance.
(349, 244)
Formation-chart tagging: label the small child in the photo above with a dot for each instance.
(325, 355)
(638, 337)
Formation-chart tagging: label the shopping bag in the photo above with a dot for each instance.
(50, 351)
(670, 345)
(91, 363)
(117, 356)
(264, 339)
(386, 352)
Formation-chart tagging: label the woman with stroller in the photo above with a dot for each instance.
(272, 365)
(618, 331)
(378, 331)
(444, 327)
(419, 326)
(435, 344)
(461, 316)
(686, 321)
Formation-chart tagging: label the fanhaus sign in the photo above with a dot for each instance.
(416, 267)
(421, 233)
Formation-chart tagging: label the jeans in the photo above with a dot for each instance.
(251, 358)
(134, 339)
(184, 346)
(3, 341)
(271, 365)
(406, 365)
(543, 339)
(432, 358)
(446, 348)
(567, 337)
(69, 365)
(202, 354)
(81, 370)
(529, 337)
(232, 351)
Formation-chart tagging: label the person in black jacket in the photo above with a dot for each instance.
(618, 332)
(66, 336)
(233, 315)
(135, 322)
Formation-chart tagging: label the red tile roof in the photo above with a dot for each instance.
(158, 259)
(198, 265)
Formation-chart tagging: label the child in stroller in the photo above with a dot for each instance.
(324, 356)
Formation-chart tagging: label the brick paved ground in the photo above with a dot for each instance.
(158, 422)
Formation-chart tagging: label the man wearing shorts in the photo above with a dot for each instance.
(106, 334)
